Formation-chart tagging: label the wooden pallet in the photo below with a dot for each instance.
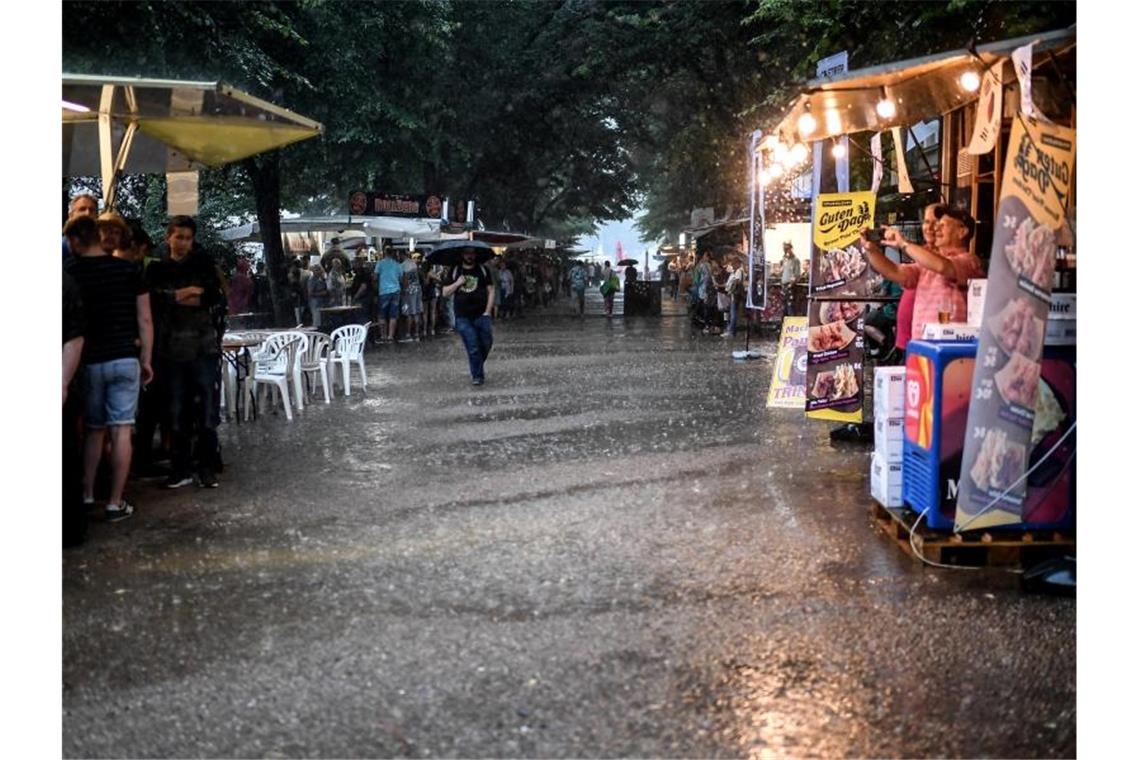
(975, 548)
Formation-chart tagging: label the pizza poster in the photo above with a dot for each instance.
(839, 276)
(1005, 392)
(786, 390)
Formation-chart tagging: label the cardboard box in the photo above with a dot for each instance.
(957, 331)
(1061, 332)
(1063, 306)
(975, 301)
(889, 438)
(886, 482)
(888, 391)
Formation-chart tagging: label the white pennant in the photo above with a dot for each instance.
(900, 159)
(987, 122)
(877, 153)
(1023, 64)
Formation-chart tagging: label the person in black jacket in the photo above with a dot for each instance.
(187, 293)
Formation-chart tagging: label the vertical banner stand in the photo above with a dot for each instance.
(755, 244)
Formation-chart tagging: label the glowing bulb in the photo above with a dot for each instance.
(776, 171)
(886, 108)
(764, 178)
(970, 81)
(806, 124)
(838, 150)
(780, 152)
(834, 124)
(798, 153)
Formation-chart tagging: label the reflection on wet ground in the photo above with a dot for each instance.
(611, 549)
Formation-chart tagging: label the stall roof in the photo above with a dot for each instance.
(921, 87)
(380, 226)
(209, 123)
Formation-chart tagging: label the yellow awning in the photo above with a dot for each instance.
(218, 140)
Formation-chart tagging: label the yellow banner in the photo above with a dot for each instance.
(790, 373)
(839, 217)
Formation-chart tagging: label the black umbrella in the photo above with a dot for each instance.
(450, 252)
(627, 263)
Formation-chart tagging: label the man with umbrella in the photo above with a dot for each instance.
(474, 292)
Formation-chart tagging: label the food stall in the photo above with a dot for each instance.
(990, 130)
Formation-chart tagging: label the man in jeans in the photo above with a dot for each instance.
(116, 357)
(474, 292)
(186, 288)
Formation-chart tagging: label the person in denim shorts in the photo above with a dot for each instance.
(116, 353)
(388, 274)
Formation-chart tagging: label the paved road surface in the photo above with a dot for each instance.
(611, 549)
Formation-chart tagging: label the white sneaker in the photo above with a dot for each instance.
(121, 511)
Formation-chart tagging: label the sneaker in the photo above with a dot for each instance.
(177, 481)
(207, 479)
(477, 381)
(121, 511)
(407, 339)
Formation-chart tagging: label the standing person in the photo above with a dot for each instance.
(262, 300)
(591, 274)
(318, 291)
(474, 292)
(116, 357)
(789, 274)
(74, 514)
(940, 273)
(430, 278)
(411, 296)
(84, 204)
(241, 289)
(610, 285)
(578, 281)
(388, 287)
(186, 289)
(734, 288)
(336, 283)
(363, 291)
(506, 288)
(447, 303)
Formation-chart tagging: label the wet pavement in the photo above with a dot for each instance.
(611, 549)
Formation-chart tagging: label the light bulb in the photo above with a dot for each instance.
(776, 170)
(764, 178)
(834, 124)
(780, 152)
(970, 81)
(885, 108)
(798, 153)
(838, 150)
(806, 124)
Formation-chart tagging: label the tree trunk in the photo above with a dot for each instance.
(265, 174)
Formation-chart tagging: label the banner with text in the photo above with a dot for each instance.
(839, 270)
(1032, 209)
(787, 390)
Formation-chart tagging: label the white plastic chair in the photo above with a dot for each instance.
(273, 365)
(348, 349)
(296, 353)
(315, 360)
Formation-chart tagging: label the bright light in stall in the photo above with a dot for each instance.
(780, 152)
(970, 81)
(764, 178)
(798, 153)
(834, 124)
(806, 124)
(838, 150)
(886, 108)
(776, 170)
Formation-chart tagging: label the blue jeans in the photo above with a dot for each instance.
(112, 392)
(732, 318)
(476, 334)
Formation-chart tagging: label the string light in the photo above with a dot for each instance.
(798, 153)
(834, 124)
(839, 150)
(776, 171)
(806, 124)
(970, 81)
(885, 107)
(764, 178)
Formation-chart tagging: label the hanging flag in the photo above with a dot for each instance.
(987, 122)
(877, 153)
(900, 160)
(1023, 64)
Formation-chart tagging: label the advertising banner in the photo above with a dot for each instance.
(1005, 393)
(788, 377)
(987, 122)
(757, 297)
(431, 206)
(839, 270)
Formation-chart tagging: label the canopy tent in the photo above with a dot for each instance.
(919, 87)
(113, 125)
(375, 226)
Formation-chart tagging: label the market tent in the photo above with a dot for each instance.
(919, 87)
(113, 125)
(379, 226)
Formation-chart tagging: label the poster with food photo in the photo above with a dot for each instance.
(1006, 390)
(839, 276)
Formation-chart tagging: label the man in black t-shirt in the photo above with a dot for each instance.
(116, 357)
(474, 292)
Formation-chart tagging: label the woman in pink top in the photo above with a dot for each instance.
(940, 272)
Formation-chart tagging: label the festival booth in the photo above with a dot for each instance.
(974, 438)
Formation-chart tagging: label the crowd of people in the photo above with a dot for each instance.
(715, 286)
(142, 342)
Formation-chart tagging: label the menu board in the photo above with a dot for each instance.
(834, 383)
(787, 388)
(1004, 396)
